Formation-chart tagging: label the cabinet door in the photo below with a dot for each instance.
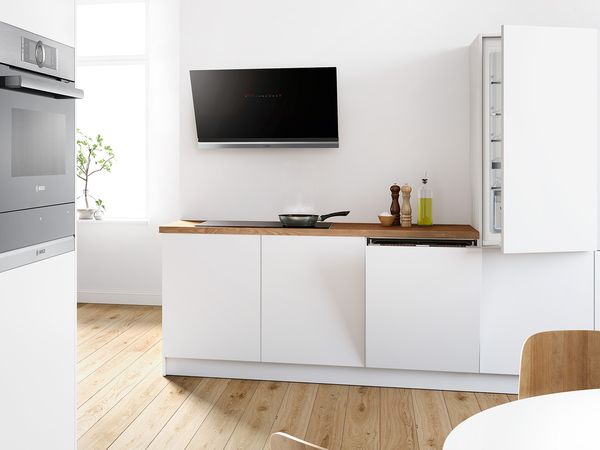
(423, 308)
(211, 296)
(313, 300)
(525, 294)
(550, 139)
(37, 353)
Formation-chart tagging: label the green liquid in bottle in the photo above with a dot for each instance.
(425, 215)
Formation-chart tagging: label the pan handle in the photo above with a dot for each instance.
(334, 214)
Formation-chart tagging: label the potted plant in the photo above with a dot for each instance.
(93, 156)
(100, 209)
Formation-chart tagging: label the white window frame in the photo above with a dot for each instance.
(115, 60)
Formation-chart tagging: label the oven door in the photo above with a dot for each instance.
(37, 142)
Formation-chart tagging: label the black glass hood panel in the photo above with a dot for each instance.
(266, 107)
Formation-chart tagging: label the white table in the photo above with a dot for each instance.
(565, 421)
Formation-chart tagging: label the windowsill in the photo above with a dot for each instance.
(144, 221)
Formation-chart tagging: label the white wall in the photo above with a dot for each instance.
(403, 108)
(121, 262)
(403, 99)
(52, 19)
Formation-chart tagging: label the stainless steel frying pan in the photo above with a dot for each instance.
(306, 220)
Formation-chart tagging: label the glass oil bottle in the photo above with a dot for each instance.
(425, 203)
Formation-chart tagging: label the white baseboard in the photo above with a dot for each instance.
(119, 297)
(360, 376)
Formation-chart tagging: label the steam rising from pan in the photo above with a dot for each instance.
(300, 208)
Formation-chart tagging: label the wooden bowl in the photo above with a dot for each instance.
(386, 221)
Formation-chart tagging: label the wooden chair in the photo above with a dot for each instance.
(560, 361)
(282, 441)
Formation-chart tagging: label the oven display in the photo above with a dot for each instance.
(38, 53)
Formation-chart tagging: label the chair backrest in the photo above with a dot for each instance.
(560, 361)
(282, 441)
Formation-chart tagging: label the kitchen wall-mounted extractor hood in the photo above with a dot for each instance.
(285, 107)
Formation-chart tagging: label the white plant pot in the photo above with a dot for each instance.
(86, 213)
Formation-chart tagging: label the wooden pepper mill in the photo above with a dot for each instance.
(406, 210)
(395, 208)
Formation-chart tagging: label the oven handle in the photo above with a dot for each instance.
(57, 88)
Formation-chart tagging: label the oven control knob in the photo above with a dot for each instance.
(40, 53)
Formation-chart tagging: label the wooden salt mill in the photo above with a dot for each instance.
(395, 208)
(406, 210)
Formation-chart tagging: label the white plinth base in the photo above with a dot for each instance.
(343, 375)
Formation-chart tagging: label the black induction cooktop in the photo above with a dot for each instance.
(251, 224)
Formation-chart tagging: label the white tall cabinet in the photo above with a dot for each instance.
(52, 19)
(37, 350)
(534, 102)
(38, 318)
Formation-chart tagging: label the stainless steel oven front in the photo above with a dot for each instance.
(37, 139)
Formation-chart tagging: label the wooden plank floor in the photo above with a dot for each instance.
(125, 403)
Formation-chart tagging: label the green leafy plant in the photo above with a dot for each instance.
(100, 205)
(93, 156)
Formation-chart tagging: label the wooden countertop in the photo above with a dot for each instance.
(337, 229)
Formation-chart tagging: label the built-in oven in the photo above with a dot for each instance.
(37, 139)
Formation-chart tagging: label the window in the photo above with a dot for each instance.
(112, 70)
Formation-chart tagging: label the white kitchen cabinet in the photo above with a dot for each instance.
(37, 351)
(422, 308)
(534, 147)
(525, 294)
(52, 19)
(211, 296)
(313, 300)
